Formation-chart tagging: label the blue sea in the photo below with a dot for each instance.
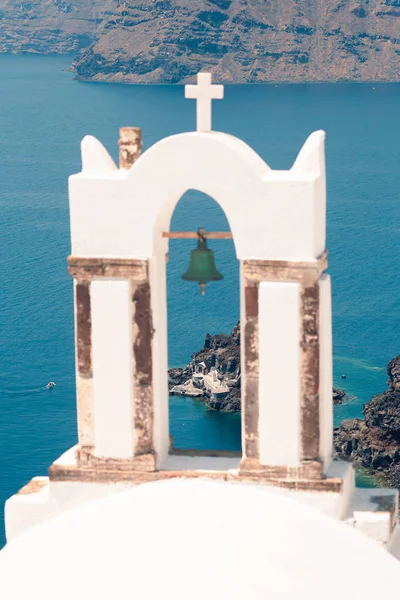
(44, 113)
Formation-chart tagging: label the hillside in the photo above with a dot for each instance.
(52, 26)
(239, 40)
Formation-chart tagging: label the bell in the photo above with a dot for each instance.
(202, 264)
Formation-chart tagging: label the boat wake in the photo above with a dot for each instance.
(357, 363)
(28, 391)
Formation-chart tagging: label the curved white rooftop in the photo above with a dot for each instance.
(193, 539)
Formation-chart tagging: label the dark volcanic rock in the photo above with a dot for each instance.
(175, 375)
(338, 395)
(223, 352)
(393, 370)
(374, 442)
(383, 412)
(229, 404)
(365, 446)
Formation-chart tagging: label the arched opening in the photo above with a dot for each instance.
(231, 173)
(203, 337)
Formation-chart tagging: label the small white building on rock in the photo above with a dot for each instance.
(120, 229)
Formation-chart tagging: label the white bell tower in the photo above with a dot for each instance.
(119, 218)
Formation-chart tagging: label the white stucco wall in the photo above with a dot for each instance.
(24, 511)
(118, 213)
(272, 214)
(325, 383)
(146, 543)
(21, 511)
(279, 334)
(112, 368)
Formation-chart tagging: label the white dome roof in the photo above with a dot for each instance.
(192, 540)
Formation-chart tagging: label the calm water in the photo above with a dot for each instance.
(44, 114)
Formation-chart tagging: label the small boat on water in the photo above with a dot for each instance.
(51, 384)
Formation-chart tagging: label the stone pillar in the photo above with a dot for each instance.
(136, 272)
(301, 299)
(325, 380)
(309, 344)
(130, 146)
(142, 324)
(250, 376)
(83, 356)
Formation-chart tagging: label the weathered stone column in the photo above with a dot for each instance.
(84, 270)
(309, 344)
(306, 275)
(84, 375)
(137, 273)
(130, 146)
(143, 388)
(250, 393)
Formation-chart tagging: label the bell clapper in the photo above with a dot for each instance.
(200, 233)
(202, 287)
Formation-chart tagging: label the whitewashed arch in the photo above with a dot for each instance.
(218, 165)
(272, 214)
(277, 219)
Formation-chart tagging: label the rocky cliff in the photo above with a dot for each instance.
(52, 26)
(223, 352)
(374, 442)
(239, 40)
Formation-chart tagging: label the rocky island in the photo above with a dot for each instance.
(222, 351)
(240, 41)
(338, 396)
(374, 442)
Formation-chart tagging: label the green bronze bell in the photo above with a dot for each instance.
(202, 264)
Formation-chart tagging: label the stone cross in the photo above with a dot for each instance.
(204, 92)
